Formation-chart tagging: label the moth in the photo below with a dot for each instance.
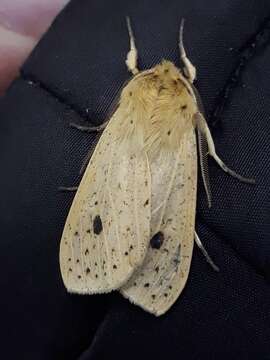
(131, 226)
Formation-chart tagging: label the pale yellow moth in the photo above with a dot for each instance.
(131, 225)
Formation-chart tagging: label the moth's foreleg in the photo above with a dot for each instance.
(82, 169)
(68, 188)
(86, 161)
(205, 253)
(89, 128)
(203, 127)
(132, 55)
(189, 68)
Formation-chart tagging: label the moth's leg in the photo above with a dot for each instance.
(89, 154)
(203, 128)
(132, 55)
(203, 154)
(86, 160)
(189, 68)
(205, 253)
(82, 169)
(68, 188)
(89, 128)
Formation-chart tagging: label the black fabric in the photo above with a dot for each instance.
(74, 74)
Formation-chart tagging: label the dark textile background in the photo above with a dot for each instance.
(74, 74)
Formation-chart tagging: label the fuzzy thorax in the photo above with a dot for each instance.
(158, 107)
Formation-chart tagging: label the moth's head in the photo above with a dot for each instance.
(168, 72)
(163, 86)
(171, 82)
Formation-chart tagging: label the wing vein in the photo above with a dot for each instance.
(81, 232)
(136, 207)
(115, 220)
(169, 188)
(105, 237)
(165, 201)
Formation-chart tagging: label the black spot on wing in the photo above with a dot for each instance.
(146, 202)
(157, 240)
(97, 225)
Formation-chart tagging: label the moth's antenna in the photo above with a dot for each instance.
(132, 55)
(181, 42)
(189, 69)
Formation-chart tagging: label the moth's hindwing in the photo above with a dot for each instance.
(158, 282)
(108, 227)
